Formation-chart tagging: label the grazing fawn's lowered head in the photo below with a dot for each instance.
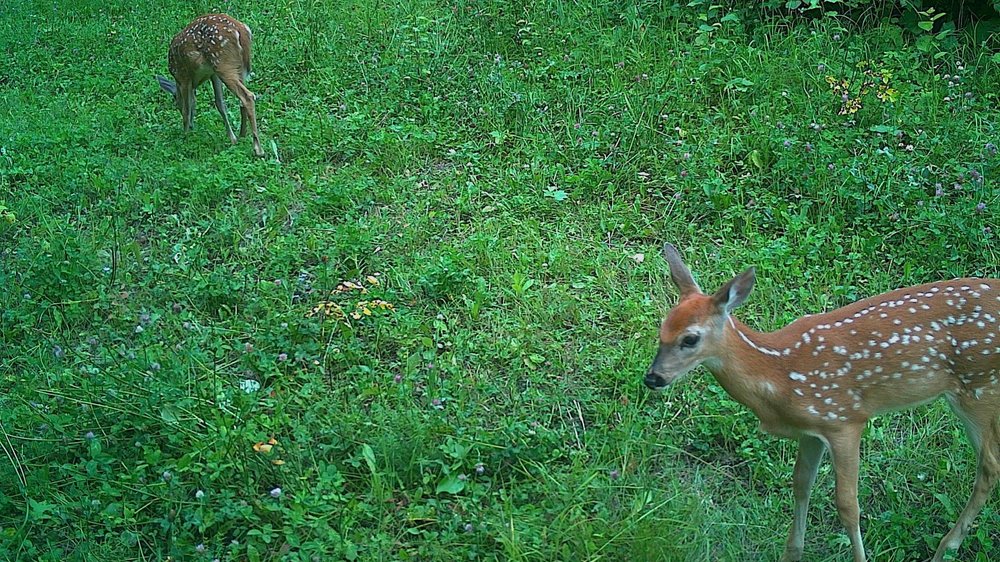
(213, 47)
(691, 333)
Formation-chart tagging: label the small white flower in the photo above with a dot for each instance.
(249, 386)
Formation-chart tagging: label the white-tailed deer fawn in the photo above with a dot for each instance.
(213, 46)
(822, 377)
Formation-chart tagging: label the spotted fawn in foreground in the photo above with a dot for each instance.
(821, 378)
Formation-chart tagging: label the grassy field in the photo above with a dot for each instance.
(417, 329)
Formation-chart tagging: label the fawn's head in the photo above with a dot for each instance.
(691, 333)
(170, 87)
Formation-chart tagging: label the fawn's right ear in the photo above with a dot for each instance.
(679, 272)
(167, 85)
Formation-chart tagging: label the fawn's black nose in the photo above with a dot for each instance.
(654, 381)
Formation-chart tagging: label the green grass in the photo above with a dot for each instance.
(496, 167)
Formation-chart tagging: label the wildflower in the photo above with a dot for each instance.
(987, 230)
(276, 493)
(58, 352)
(975, 175)
(92, 341)
(678, 195)
(468, 527)
(154, 366)
(981, 207)
(831, 167)
(809, 147)
(687, 155)
(167, 476)
(437, 403)
(836, 37)
(145, 319)
(263, 447)
(614, 474)
(480, 469)
(186, 325)
(787, 143)
(821, 67)
(200, 547)
(248, 347)
(991, 148)
(463, 477)
(89, 436)
(684, 173)
(939, 191)
(199, 494)
(139, 329)
(282, 357)
(176, 307)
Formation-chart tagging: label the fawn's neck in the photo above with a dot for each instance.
(749, 366)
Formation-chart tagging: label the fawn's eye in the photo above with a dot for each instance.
(689, 340)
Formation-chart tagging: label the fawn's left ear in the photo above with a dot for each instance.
(679, 272)
(167, 85)
(733, 293)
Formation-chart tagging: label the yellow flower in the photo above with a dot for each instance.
(265, 448)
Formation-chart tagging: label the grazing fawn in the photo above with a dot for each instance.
(213, 46)
(821, 378)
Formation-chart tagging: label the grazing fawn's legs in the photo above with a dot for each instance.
(247, 111)
(187, 106)
(220, 104)
(806, 466)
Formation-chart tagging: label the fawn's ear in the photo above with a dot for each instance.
(679, 272)
(733, 293)
(167, 85)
